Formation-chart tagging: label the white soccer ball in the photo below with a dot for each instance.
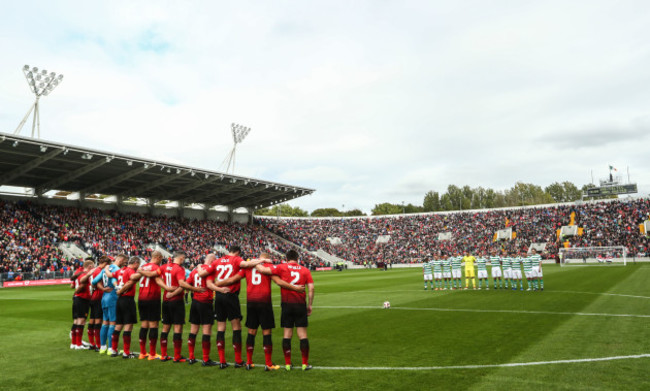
(386, 304)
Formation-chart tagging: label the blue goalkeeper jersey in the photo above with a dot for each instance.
(108, 283)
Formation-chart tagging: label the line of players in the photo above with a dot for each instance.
(445, 273)
(108, 290)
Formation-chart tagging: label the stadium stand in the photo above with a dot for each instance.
(605, 223)
(32, 233)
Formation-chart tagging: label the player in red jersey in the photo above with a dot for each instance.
(173, 308)
(259, 309)
(149, 304)
(126, 315)
(294, 309)
(226, 305)
(80, 304)
(95, 321)
(201, 313)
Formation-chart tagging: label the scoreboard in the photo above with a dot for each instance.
(612, 190)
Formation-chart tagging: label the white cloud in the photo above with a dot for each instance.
(364, 101)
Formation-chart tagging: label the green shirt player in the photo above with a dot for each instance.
(481, 271)
(536, 264)
(495, 262)
(437, 273)
(456, 271)
(507, 269)
(446, 272)
(515, 263)
(528, 270)
(428, 273)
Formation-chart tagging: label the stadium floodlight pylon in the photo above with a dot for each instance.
(41, 83)
(593, 256)
(239, 133)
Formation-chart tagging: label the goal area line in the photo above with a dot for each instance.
(506, 365)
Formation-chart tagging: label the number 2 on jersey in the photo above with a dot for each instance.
(295, 277)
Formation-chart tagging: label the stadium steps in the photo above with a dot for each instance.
(72, 251)
(157, 247)
(320, 254)
(220, 249)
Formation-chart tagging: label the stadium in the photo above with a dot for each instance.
(168, 269)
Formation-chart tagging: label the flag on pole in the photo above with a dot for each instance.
(612, 168)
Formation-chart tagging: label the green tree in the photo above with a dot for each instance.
(555, 190)
(353, 212)
(326, 212)
(446, 202)
(410, 208)
(564, 192)
(283, 210)
(571, 191)
(386, 209)
(527, 194)
(431, 201)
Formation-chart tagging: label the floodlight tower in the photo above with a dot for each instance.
(239, 133)
(42, 84)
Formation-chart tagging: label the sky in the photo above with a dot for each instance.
(364, 101)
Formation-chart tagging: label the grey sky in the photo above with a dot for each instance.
(365, 101)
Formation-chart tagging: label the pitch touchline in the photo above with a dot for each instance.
(606, 294)
(516, 364)
(485, 311)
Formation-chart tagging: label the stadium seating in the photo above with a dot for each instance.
(31, 234)
(415, 236)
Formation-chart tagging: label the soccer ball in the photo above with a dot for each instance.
(386, 305)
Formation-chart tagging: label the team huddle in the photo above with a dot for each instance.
(446, 273)
(107, 291)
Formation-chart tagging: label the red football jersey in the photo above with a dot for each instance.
(171, 274)
(123, 276)
(201, 282)
(149, 290)
(227, 267)
(258, 285)
(294, 274)
(85, 293)
(96, 294)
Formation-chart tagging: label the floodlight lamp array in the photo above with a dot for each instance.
(239, 132)
(41, 82)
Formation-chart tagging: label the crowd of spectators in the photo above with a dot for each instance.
(32, 233)
(413, 237)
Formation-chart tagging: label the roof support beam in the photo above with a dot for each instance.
(200, 197)
(199, 183)
(238, 196)
(18, 171)
(98, 187)
(257, 201)
(152, 185)
(62, 180)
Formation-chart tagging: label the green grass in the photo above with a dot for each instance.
(422, 329)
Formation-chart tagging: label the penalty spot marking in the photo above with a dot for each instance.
(507, 365)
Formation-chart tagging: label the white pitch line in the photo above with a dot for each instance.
(486, 311)
(605, 294)
(506, 365)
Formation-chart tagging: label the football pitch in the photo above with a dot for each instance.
(589, 329)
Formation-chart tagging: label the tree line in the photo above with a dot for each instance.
(455, 198)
